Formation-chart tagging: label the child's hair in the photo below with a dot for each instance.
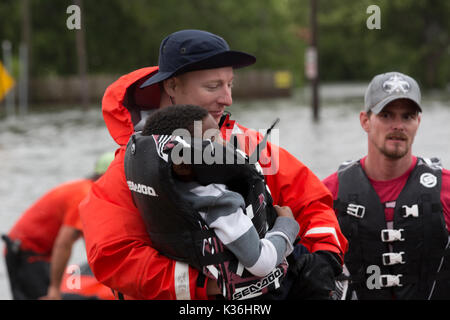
(167, 120)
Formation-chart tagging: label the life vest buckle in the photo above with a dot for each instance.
(390, 235)
(356, 210)
(410, 211)
(390, 280)
(392, 258)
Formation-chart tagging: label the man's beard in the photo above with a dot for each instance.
(397, 152)
(394, 154)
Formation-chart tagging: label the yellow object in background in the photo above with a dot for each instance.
(6, 81)
(283, 79)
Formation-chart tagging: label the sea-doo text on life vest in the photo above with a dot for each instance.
(140, 188)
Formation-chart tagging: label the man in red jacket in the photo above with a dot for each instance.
(39, 244)
(195, 67)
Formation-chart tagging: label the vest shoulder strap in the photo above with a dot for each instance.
(434, 162)
(347, 164)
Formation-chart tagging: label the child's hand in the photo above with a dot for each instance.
(284, 211)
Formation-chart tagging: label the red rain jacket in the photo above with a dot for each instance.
(118, 247)
(39, 225)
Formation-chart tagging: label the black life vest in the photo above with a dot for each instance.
(408, 260)
(175, 228)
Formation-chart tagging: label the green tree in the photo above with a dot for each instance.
(123, 35)
(414, 38)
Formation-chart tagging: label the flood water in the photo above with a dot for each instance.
(44, 149)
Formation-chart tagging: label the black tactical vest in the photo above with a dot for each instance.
(408, 260)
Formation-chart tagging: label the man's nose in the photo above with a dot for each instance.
(398, 123)
(226, 97)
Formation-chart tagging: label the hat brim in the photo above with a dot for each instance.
(383, 103)
(235, 59)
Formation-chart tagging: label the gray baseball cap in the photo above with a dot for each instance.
(387, 87)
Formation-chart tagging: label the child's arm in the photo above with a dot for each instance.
(222, 210)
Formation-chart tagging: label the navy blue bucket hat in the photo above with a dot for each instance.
(191, 50)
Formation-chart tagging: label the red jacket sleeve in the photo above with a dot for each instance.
(296, 186)
(119, 249)
(76, 192)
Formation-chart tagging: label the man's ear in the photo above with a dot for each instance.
(364, 119)
(170, 85)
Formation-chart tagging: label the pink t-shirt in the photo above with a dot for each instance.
(388, 191)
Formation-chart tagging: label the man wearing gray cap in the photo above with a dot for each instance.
(393, 207)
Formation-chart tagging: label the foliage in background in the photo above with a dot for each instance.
(122, 35)
(414, 38)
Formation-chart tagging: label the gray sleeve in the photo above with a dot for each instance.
(261, 256)
(223, 210)
(284, 228)
(236, 231)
